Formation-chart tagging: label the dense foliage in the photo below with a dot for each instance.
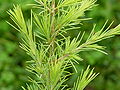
(12, 61)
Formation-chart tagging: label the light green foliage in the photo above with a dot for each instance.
(107, 65)
(51, 50)
(84, 79)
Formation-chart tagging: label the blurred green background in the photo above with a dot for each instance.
(12, 59)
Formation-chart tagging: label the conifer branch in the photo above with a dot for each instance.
(52, 54)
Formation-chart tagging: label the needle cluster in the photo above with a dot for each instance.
(53, 52)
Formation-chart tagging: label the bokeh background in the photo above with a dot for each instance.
(12, 59)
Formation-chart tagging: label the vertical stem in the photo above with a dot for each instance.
(52, 40)
(52, 27)
(53, 16)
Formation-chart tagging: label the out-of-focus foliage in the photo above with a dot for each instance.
(12, 73)
(108, 66)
